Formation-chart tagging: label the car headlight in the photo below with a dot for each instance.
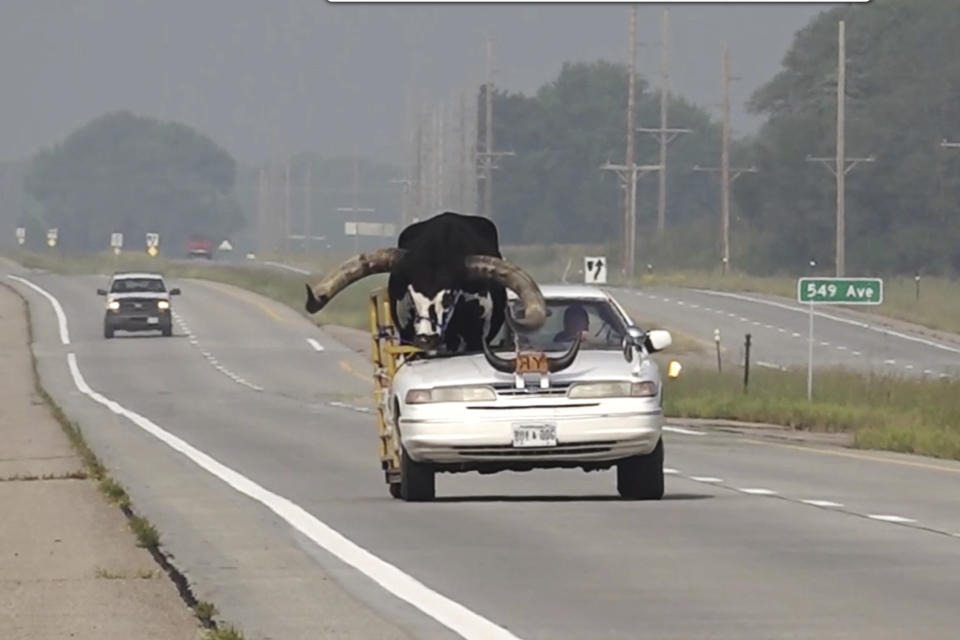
(644, 389)
(163, 305)
(451, 394)
(113, 305)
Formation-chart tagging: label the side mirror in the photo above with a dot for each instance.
(101, 292)
(174, 292)
(658, 340)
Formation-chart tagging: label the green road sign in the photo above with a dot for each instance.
(840, 290)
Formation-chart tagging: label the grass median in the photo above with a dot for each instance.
(909, 415)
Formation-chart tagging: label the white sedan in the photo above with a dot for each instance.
(472, 413)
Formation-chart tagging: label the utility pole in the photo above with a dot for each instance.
(664, 134)
(488, 154)
(355, 209)
(308, 211)
(726, 177)
(843, 165)
(286, 209)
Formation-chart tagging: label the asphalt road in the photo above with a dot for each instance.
(243, 442)
(780, 332)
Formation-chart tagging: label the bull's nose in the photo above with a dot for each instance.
(426, 341)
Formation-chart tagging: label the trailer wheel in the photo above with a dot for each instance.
(417, 480)
(395, 490)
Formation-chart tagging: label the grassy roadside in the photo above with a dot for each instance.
(899, 414)
(143, 530)
(908, 415)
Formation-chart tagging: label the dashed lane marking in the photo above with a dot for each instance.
(686, 432)
(886, 518)
(822, 503)
(707, 479)
(759, 492)
(316, 345)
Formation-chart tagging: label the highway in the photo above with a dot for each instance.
(246, 438)
(780, 328)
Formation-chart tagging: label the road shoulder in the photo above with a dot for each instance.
(70, 565)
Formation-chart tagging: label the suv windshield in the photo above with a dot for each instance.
(137, 285)
(600, 323)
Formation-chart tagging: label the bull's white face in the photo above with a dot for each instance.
(429, 315)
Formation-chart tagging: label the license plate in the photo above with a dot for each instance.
(531, 362)
(153, 320)
(535, 435)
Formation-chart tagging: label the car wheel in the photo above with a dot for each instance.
(395, 490)
(641, 477)
(107, 332)
(417, 480)
(167, 331)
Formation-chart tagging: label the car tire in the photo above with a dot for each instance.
(167, 331)
(641, 477)
(417, 480)
(395, 490)
(107, 332)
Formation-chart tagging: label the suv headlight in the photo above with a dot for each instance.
(451, 394)
(163, 305)
(644, 389)
(113, 305)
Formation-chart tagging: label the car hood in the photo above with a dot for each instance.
(474, 369)
(144, 295)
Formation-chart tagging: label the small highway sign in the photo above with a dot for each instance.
(52, 237)
(21, 235)
(116, 240)
(595, 270)
(840, 290)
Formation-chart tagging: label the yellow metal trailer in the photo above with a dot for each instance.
(387, 354)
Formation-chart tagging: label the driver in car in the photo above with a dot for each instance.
(575, 321)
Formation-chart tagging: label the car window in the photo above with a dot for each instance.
(600, 324)
(137, 285)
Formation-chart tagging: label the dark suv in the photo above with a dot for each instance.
(137, 302)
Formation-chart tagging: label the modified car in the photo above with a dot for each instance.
(514, 406)
(137, 302)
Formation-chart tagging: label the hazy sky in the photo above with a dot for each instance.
(269, 77)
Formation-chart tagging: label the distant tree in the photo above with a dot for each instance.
(553, 189)
(133, 175)
(903, 78)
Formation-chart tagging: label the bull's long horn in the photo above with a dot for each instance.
(518, 281)
(356, 268)
(562, 362)
(504, 365)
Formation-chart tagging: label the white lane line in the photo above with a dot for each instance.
(928, 372)
(796, 335)
(856, 353)
(57, 309)
(756, 324)
(742, 319)
(666, 299)
(685, 432)
(824, 344)
(681, 303)
(451, 614)
(841, 348)
(759, 492)
(885, 518)
(862, 325)
(909, 366)
(670, 472)
(768, 326)
(732, 315)
(890, 362)
(694, 306)
(709, 479)
(316, 345)
(781, 330)
(280, 265)
(822, 503)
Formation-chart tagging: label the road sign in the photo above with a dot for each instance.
(116, 240)
(595, 270)
(225, 246)
(153, 239)
(52, 237)
(840, 290)
(834, 291)
(21, 235)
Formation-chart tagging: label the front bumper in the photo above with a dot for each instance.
(470, 441)
(138, 322)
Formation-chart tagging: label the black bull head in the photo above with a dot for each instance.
(475, 267)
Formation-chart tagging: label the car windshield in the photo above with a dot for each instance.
(601, 326)
(137, 285)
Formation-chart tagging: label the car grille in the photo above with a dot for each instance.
(531, 391)
(504, 451)
(138, 306)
